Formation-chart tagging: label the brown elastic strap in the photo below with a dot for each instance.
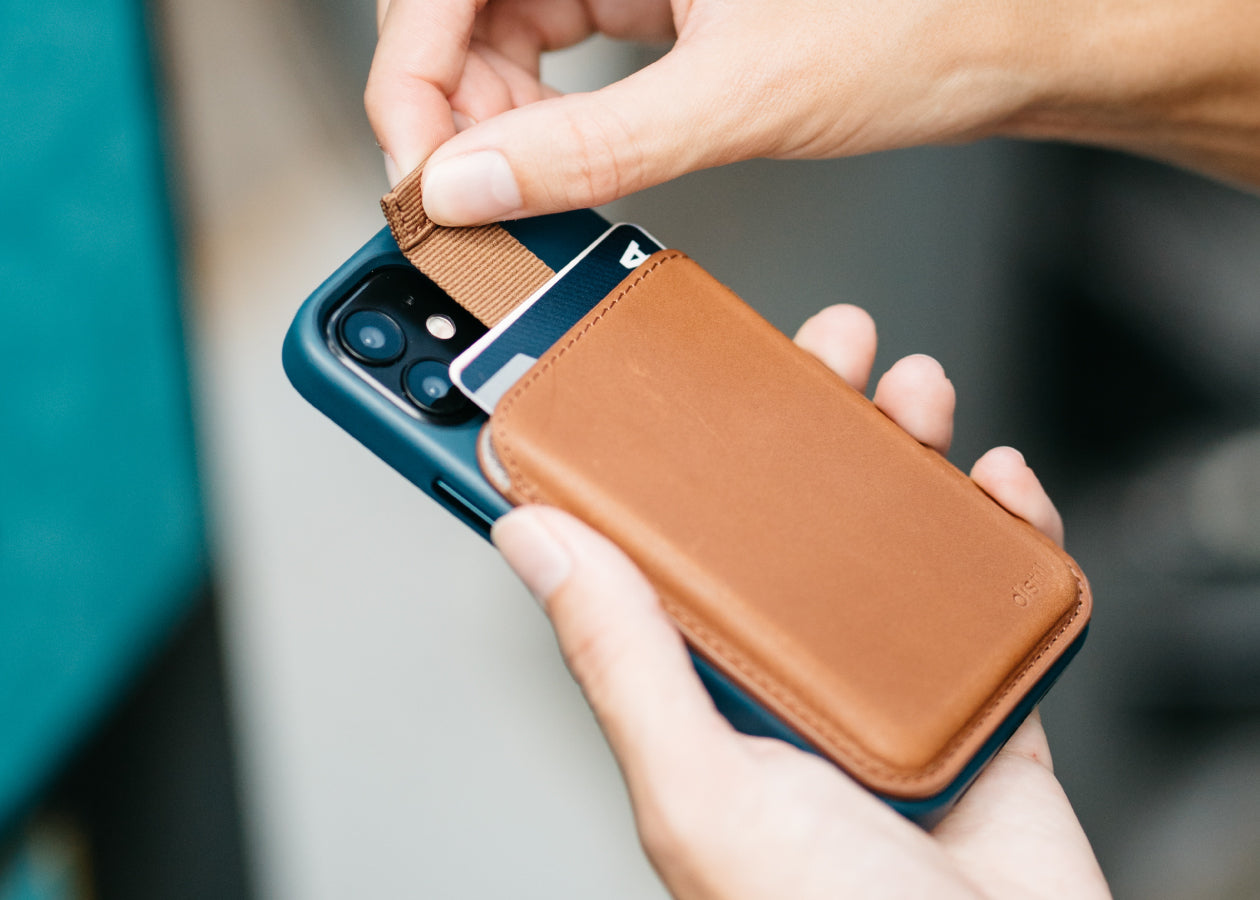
(483, 268)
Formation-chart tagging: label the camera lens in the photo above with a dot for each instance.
(428, 385)
(372, 337)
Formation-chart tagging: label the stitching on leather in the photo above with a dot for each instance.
(854, 755)
(504, 410)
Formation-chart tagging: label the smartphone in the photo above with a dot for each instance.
(371, 347)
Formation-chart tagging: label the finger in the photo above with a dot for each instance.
(1029, 742)
(843, 337)
(522, 84)
(916, 395)
(482, 91)
(418, 63)
(521, 30)
(1023, 764)
(586, 149)
(1017, 819)
(623, 650)
(1003, 474)
(492, 84)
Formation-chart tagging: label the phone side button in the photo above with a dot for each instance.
(462, 507)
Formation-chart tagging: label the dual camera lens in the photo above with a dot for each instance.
(375, 338)
(427, 383)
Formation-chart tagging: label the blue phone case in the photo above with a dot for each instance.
(441, 460)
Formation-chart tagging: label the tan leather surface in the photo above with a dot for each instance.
(852, 580)
(484, 269)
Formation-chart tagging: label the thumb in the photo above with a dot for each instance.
(622, 649)
(1015, 820)
(586, 149)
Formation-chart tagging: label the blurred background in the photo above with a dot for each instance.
(241, 658)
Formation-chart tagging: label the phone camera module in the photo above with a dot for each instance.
(373, 337)
(428, 385)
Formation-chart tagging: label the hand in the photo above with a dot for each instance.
(795, 79)
(763, 78)
(724, 815)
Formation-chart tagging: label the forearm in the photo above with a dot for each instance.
(1170, 79)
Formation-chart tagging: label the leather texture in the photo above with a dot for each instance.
(853, 581)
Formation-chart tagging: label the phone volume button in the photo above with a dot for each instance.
(462, 507)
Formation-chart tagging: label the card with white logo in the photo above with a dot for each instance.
(487, 369)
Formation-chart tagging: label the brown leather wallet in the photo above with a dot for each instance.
(846, 577)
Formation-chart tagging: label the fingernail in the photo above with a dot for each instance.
(935, 363)
(533, 552)
(391, 170)
(476, 187)
(461, 121)
(1013, 452)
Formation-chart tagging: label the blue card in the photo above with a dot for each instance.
(489, 368)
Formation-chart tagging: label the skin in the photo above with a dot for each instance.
(454, 87)
(454, 84)
(724, 815)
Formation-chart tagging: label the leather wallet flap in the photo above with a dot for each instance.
(850, 579)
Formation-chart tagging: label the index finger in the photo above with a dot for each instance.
(418, 63)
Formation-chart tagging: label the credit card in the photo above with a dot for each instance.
(489, 368)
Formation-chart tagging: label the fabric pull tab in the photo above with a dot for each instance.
(483, 268)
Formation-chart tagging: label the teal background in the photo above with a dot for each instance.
(101, 536)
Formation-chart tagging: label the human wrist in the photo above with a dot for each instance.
(999, 66)
(1167, 79)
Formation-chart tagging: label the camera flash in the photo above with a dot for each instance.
(440, 327)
